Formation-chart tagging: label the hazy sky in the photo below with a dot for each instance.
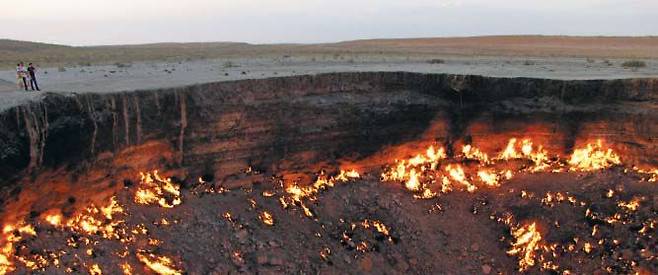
(93, 22)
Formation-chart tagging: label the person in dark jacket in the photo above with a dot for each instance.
(33, 78)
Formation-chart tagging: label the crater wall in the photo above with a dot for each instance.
(305, 122)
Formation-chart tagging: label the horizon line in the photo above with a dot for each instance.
(332, 42)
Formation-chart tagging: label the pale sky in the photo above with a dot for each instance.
(96, 22)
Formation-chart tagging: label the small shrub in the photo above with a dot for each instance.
(229, 64)
(61, 69)
(528, 63)
(634, 64)
(436, 61)
(122, 65)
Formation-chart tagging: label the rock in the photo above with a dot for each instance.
(627, 254)
(242, 235)
(262, 259)
(486, 269)
(475, 247)
(365, 264)
(351, 244)
(244, 181)
(413, 261)
(276, 261)
(237, 260)
(402, 265)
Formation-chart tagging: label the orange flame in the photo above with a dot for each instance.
(473, 153)
(154, 189)
(593, 157)
(413, 183)
(488, 178)
(266, 218)
(457, 174)
(159, 264)
(527, 240)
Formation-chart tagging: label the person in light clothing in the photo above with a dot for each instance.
(21, 75)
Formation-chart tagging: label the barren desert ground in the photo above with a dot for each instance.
(135, 67)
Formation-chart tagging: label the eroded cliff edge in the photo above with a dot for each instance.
(303, 122)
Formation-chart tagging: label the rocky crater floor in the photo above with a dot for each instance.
(392, 173)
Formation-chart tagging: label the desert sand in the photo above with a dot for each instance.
(138, 67)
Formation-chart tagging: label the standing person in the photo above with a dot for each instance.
(33, 79)
(21, 74)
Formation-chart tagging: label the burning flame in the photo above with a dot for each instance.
(413, 183)
(417, 174)
(631, 205)
(488, 178)
(526, 242)
(154, 189)
(127, 269)
(54, 219)
(421, 170)
(457, 174)
(402, 171)
(159, 264)
(593, 157)
(297, 194)
(346, 176)
(89, 222)
(11, 234)
(410, 171)
(538, 156)
(474, 153)
(266, 218)
(95, 270)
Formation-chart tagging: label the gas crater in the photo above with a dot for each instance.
(373, 172)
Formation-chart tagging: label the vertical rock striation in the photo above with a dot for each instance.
(295, 122)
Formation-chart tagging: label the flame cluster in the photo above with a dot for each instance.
(104, 221)
(622, 216)
(593, 157)
(154, 189)
(423, 172)
(94, 220)
(526, 243)
(433, 172)
(537, 155)
(12, 234)
(296, 194)
(356, 235)
(426, 174)
(266, 218)
(162, 265)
